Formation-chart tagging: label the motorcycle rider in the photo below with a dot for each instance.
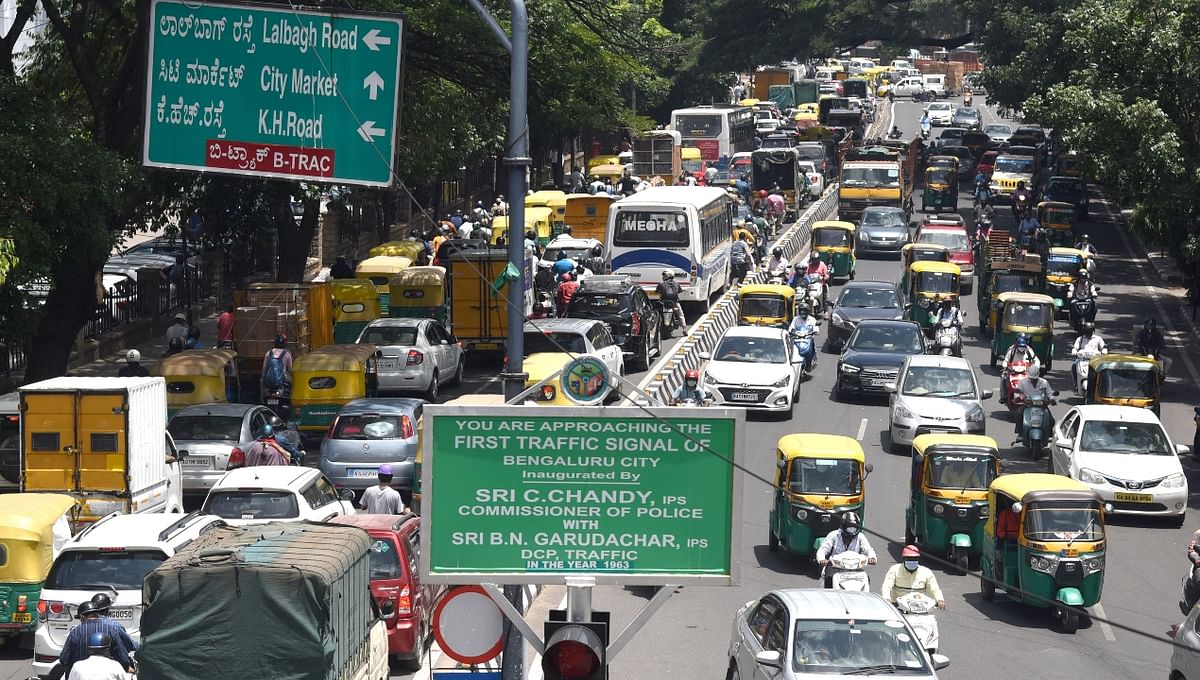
(1085, 244)
(983, 188)
(847, 538)
(1033, 386)
(817, 267)
(950, 311)
(267, 450)
(895, 133)
(776, 263)
(1027, 229)
(760, 203)
(1019, 351)
(1149, 340)
(99, 664)
(926, 124)
(776, 207)
(806, 321)
(1021, 199)
(910, 577)
(1087, 345)
(668, 291)
(691, 390)
(741, 256)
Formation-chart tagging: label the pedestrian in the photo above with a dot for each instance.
(465, 228)
(193, 338)
(382, 499)
(576, 181)
(178, 329)
(225, 326)
(341, 269)
(133, 367)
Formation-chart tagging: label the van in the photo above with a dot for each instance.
(935, 83)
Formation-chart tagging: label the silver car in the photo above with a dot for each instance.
(882, 229)
(206, 434)
(934, 393)
(368, 433)
(418, 355)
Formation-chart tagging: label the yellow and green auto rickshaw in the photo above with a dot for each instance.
(1044, 544)
(920, 252)
(1125, 380)
(1015, 277)
(941, 189)
(833, 241)
(537, 220)
(419, 292)
(766, 304)
(33, 529)
(818, 477)
(948, 494)
(541, 199)
(379, 271)
(1069, 164)
(326, 379)
(1028, 314)
(411, 249)
(1058, 219)
(199, 376)
(355, 304)
(1062, 269)
(929, 283)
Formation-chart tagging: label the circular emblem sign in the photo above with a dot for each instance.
(585, 380)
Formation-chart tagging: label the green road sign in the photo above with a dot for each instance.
(533, 494)
(273, 91)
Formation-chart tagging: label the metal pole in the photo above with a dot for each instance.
(187, 274)
(579, 602)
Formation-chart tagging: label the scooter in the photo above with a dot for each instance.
(803, 340)
(1082, 309)
(671, 319)
(1015, 372)
(1081, 368)
(918, 609)
(947, 339)
(279, 400)
(814, 291)
(847, 571)
(1035, 425)
(778, 276)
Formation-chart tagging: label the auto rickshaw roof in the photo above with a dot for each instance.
(607, 170)
(541, 364)
(1028, 298)
(815, 445)
(1063, 205)
(922, 266)
(955, 441)
(924, 246)
(1068, 252)
(542, 198)
(384, 264)
(944, 157)
(1130, 360)
(334, 358)
(420, 276)
(209, 362)
(767, 289)
(1028, 487)
(24, 516)
(833, 224)
(345, 290)
(409, 249)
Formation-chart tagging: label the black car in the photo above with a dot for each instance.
(859, 301)
(951, 135)
(634, 322)
(872, 357)
(1071, 190)
(966, 159)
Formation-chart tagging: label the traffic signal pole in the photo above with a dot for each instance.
(579, 598)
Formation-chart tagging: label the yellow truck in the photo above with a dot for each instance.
(874, 176)
(478, 309)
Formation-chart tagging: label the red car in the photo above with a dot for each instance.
(406, 604)
(951, 233)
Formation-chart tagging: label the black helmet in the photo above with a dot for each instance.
(566, 229)
(102, 601)
(850, 519)
(777, 251)
(597, 250)
(814, 257)
(86, 609)
(1089, 328)
(947, 302)
(99, 642)
(281, 341)
(1149, 324)
(562, 254)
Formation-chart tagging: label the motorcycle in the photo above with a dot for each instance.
(814, 292)
(1035, 425)
(778, 276)
(279, 400)
(967, 99)
(692, 402)
(947, 339)
(803, 340)
(671, 319)
(1082, 367)
(918, 610)
(847, 571)
(1014, 373)
(1082, 309)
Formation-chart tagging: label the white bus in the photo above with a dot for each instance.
(719, 131)
(687, 230)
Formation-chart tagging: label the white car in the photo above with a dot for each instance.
(255, 495)
(941, 114)
(934, 393)
(755, 367)
(816, 181)
(1123, 453)
(111, 557)
(418, 355)
(1185, 655)
(577, 249)
(908, 87)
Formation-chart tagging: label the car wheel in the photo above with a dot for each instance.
(732, 673)
(457, 380)
(838, 393)
(643, 360)
(414, 664)
(431, 394)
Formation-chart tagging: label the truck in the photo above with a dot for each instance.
(478, 298)
(874, 175)
(280, 600)
(805, 91)
(301, 312)
(656, 154)
(103, 441)
(771, 167)
(764, 79)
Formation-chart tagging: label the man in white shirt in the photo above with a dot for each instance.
(98, 665)
(382, 499)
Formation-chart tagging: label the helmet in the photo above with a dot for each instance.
(99, 641)
(1084, 274)
(814, 257)
(762, 193)
(1022, 341)
(1084, 238)
(562, 254)
(102, 602)
(802, 309)
(910, 551)
(667, 275)
(567, 277)
(281, 341)
(385, 470)
(597, 250)
(1089, 328)
(1021, 184)
(850, 519)
(692, 377)
(181, 318)
(133, 356)
(777, 251)
(86, 609)
(268, 430)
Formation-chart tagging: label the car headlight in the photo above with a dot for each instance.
(782, 381)
(902, 412)
(864, 236)
(1089, 476)
(849, 368)
(975, 415)
(1093, 564)
(838, 320)
(799, 514)
(709, 380)
(1043, 563)
(1175, 481)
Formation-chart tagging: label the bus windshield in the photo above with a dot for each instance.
(650, 229)
(697, 125)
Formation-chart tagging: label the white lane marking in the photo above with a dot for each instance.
(534, 669)
(862, 429)
(1104, 627)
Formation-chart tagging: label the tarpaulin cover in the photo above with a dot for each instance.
(782, 96)
(284, 601)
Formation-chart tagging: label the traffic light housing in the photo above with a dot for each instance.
(575, 650)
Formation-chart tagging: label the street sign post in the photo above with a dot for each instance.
(468, 625)
(523, 494)
(273, 91)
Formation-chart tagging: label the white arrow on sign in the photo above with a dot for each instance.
(373, 40)
(368, 130)
(374, 83)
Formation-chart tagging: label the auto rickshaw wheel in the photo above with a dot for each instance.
(987, 588)
(1069, 620)
(963, 561)
(772, 540)
(992, 359)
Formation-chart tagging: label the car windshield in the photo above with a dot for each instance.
(1063, 265)
(969, 113)
(845, 647)
(776, 143)
(1021, 314)
(935, 282)
(389, 336)
(952, 133)
(997, 129)
(236, 504)
(593, 305)
(752, 350)
(1017, 166)
(1116, 436)
(93, 570)
(882, 218)
(954, 240)
(1063, 521)
(871, 177)
(831, 238)
(960, 471)
(1013, 283)
(764, 305)
(551, 341)
(815, 153)
(824, 475)
(936, 381)
(371, 426)
(939, 106)
(384, 560)
(1061, 188)
(899, 338)
(205, 428)
(873, 298)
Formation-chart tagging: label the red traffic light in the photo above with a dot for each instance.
(573, 652)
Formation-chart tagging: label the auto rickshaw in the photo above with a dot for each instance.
(326, 379)
(920, 252)
(948, 494)
(1125, 380)
(419, 292)
(411, 249)
(976, 141)
(833, 241)
(766, 304)
(1058, 219)
(199, 376)
(1023, 277)
(1069, 164)
(1044, 544)
(541, 199)
(355, 304)
(1028, 313)
(1062, 268)
(928, 284)
(818, 477)
(33, 529)
(943, 162)
(941, 189)
(379, 271)
(536, 220)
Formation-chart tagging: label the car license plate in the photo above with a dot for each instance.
(486, 345)
(877, 382)
(744, 396)
(1135, 497)
(388, 364)
(18, 617)
(122, 614)
(368, 473)
(198, 462)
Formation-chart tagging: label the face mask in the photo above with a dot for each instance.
(910, 565)
(851, 530)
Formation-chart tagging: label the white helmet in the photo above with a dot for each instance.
(1032, 372)
(133, 356)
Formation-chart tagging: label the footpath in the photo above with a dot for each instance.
(152, 350)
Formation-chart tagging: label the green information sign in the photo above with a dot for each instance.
(273, 91)
(532, 494)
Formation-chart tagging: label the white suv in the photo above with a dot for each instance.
(277, 493)
(111, 556)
